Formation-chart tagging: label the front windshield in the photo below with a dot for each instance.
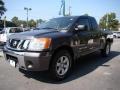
(62, 23)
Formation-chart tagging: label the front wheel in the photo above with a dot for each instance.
(61, 65)
(106, 51)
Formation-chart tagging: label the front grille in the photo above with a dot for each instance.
(14, 43)
(17, 44)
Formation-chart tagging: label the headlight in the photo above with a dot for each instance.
(39, 44)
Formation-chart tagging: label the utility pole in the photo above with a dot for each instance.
(107, 20)
(69, 9)
(62, 8)
(5, 22)
(63, 1)
(27, 9)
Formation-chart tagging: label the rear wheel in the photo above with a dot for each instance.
(61, 65)
(106, 51)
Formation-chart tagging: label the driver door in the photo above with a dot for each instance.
(84, 36)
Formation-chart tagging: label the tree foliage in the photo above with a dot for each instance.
(109, 21)
(15, 20)
(8, 24)
(31, 23)
(86, 14)
(39, 21)
(2, 8)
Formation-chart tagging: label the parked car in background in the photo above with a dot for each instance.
(116, 34)
(6, 32)
(110, 34)
(26, 29)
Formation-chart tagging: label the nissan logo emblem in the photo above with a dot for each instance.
(14, 43)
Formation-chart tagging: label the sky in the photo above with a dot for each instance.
(46, 9)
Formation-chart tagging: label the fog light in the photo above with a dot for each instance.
(30, 66)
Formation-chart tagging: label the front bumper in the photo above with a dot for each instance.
(39, 61)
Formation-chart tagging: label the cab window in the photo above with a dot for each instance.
(15, 30)
(84, 22)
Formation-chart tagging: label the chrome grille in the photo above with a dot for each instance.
(17, 44)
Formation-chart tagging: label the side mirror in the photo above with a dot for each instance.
(80, 27)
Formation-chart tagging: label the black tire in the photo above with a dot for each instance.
(114, 36)
(106, 51)
(57, 59)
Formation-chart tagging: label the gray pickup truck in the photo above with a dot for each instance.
(56, 45)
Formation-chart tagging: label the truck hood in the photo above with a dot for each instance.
(35, 33)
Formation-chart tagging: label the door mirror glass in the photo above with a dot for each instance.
(80, 27)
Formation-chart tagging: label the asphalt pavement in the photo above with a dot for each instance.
(91, 72)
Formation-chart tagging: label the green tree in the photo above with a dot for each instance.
(39, 21)
(2, 8)
(15, 20)
(86, 14)
(109, 21)
(18, 22)
(22, 22)
(32, 23)
(8, 24)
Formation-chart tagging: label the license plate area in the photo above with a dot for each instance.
(12, 60)
(12, 63)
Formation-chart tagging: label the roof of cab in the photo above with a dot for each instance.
(82, 16)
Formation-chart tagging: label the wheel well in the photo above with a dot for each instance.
(108, 40)
(69, 49)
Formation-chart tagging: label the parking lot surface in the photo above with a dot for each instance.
(91, 72)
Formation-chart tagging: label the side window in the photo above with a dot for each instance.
(15, 30)
(12, 30)
(18, 30)
(94, 24)
(84, 22)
